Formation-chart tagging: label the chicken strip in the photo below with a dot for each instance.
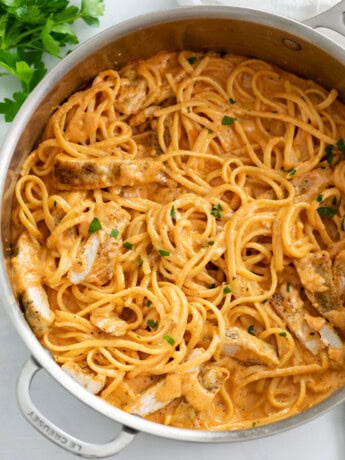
(317, 277)
(27, 272)
(245, 347)
(309, 185)
(96, 258)
(92, 382)
(76, 174)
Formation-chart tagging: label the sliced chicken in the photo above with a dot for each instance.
(96, 257)
(27, 272)
(309, 185)
(85, 377)
(317, 277)
(132, 94)
(245, 347)
(108, 322)
(198, 385)
(289, 306)
(75, 174)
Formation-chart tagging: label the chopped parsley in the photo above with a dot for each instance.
(329, 153)
(114, 233)
(251, 329)
(341, 145)
(253, 424)
(209, 243)
(287, 287)
(334, 201)
(319, 198)
(209, 130)
(232, 101)
(55, 203)
(152, 324)
(283, 334)
(211, 286)
(228, 120)
(192, 60)
(291, 172)
(226, 290)
(169, 339)
(326, 211)
(127, 245)
(163, 253)
(188, 109)
(95, 225)
(149, 303)
(342, 225)
(141, 261)
(215, 211)
(173, 213)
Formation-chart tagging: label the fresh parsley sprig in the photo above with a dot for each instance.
(31, 28)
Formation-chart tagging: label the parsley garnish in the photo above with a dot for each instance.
(209, 130)
(287, 287)
(326, 211)
(141, 261)
(319, 198)
(228, 120)
(152, 324)
(291, 172)
(149, 303)
(169, 339)
(127, 245)
(334, 201)
(209, 243)
(163, 253)
(232, 101)
(329, 153)
(283, 334)
(114, 233)
(341, 145)
(188, 109)
(173, 213)
(226, 290)
(251, 330)
(253, 424)
(342, 227)
(211, 286)
(192, 60)
(215, 211)
(31, 29)
(55, 203)
(95, 225)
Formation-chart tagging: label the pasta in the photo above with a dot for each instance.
(180, 240)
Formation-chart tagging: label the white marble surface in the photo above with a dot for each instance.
(320, 439)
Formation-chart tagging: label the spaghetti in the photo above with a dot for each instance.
(180, 242)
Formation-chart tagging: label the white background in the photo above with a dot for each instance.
(323, 438)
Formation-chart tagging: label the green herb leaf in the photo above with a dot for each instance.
(152, 324)
(287, 287)
(232, 101)
(149, 303)
(226, 290)
(319, 198)
(209, 130)
(95, 225)
(173, 213)
(283, 334)
(141, 261)
(188, 109)
(334, 201)
(114, 233)
(211, 286)
(329, 153)
(291, 172)
(253, 424)
(215, 211)
(341, 145)
(228, 120)
(192, 60)
(209, 243)
(90, 9)
(169, 339)
(163, 253)
(128, 245)
(326, 211)
(251, 329)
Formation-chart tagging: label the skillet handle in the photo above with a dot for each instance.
(56, 434)
(330, 19)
